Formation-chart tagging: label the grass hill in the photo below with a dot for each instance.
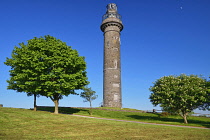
(27, 124)
(133, 115)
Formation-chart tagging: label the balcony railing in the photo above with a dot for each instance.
(108, 15)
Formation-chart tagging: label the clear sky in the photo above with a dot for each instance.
(160, 38)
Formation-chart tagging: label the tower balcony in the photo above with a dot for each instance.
(108, 15)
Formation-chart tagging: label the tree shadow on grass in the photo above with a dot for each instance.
(168, 119)
(62, 110)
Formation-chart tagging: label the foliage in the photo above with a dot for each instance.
(164, 114)
(206, 105)
(46, 66)
(44, 125)
(181, 94)
(89, 95)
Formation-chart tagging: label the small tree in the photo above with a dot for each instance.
(30, 90)
(89, 96)
(181, 94)
(35, 96)
(46, 66)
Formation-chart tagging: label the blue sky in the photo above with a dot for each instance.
(160, 38)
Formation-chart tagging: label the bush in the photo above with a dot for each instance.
(164, 114)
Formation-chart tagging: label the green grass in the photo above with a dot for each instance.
(27, 124)
(135, 116)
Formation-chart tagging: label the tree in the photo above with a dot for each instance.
(206, 105)
(46, 66)
(35, 95)
(181, 94)
(13, 85)
(89, 96)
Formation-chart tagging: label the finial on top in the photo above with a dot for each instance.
(111, 12)
(112, 6)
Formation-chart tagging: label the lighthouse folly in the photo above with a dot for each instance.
(112, 26)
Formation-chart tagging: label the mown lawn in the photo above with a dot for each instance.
(135, 116)
(26, 124)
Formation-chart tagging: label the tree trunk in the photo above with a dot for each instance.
(35, 102)
(56, 106)
(90, 112)
(185, 119)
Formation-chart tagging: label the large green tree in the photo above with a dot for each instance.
(46, 66)
(181, 94)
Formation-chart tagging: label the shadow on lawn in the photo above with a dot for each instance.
(63, 110)
(165, 119)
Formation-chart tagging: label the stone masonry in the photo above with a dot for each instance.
(112, 26)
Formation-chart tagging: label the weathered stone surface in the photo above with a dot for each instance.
(112, 26)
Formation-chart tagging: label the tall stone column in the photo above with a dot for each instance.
(112, 26)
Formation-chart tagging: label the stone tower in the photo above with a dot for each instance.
(112, 26)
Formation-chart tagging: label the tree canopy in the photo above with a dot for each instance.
(181, 94)
(206, 105)
(46, 66)
(89, 95)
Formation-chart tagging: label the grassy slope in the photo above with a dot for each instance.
(27, 124)
(136, 116)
